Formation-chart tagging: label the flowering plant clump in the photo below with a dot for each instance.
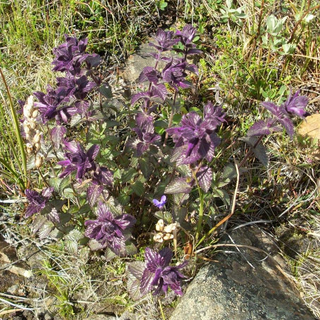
(150, 168)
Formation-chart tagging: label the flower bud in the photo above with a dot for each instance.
(35, 113)
(26, 128)
(29, 148)
(38, 161)
(158, 237)
(32, 123)
(37, 137)
(160, 225)
(170, 228)
(168, 236)
(26, 112)
(37, 147)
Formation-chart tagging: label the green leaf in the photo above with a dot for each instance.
(179, 185)
(229, 173)
(271, 23)
(145, 167)
(76, 119)
(129, 175)
(164, 215)
(106, 91)
(71, 246)
(138, 188)
(218, 193)
(180, 198)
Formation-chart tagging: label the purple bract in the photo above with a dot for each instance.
(145, 133)
(37, 201)
(158, 275)
(108, 230)
(294, 105)
(78, 160)
(196, 139)
(165, 40)
(70, 55)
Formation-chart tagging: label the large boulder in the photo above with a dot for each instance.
(248, 282)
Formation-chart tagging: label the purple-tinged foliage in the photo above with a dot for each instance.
(204, 178)
(263, 127)
(54, 105)
(37, 201)
(70, 55)
(187, 34)
(160, 204)
(57, 135)
(78, 160)
(149, 74)
(174, 74)
(158, 91)
(158, 275)
(68, 98)
(186, 37)
(102, 176)
(145, 133)
(294, 105)
(109, 230)
(179, 185)
(196, 139)
(77, 87)
(165, 40)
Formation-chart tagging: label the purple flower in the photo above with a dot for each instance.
(174, 74)
(196, 139)
(160, 204)
(54, 104)
(165, 40)
(294, 105)
(37, 201)
(78, 160)
(145, 133)
(186, 37)
(70, 55)
(77, 87)
(109, 230)
(159, 275)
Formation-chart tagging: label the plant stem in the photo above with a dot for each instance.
(17, 131)
(199, 224)
(171, 117)
(161, 310)
(230, 214)
(250, 152)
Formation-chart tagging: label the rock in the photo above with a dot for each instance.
(245, 284)
(137, 62)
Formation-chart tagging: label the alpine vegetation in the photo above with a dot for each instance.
(116, 174)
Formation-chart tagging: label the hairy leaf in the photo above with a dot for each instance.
(204, 177)
(179, 185)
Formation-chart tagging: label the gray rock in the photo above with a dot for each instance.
(245, 284)
(138, 61)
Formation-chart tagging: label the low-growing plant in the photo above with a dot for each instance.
(151, 165)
